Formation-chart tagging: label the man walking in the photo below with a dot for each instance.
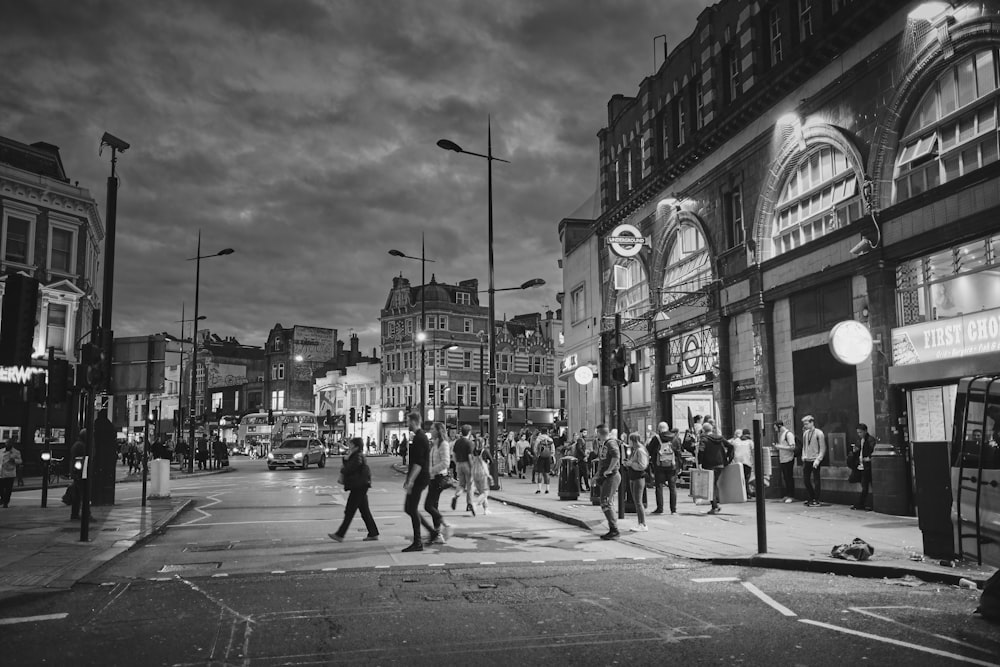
(813, 453)
(461, 453)
(416, 479)
(609, 477)
(785, 444)
(714, 453)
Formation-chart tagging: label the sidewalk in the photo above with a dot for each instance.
(798, 538)
(40, 548)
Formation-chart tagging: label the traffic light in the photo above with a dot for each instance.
(607, 358)
(17, 319)
(270, 416)
(368, 413)
(58, 380)
(37, 388)
(620, 372)
(353, 415)
(562, 414)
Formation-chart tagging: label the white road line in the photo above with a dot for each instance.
(220, 574)
(589, 560)
(897, 642)
(867, 612)
(277, 571)
(538, 561)
(382, 567)
(33, 619)
(435, 564)
(244, 523)
(329, 569)
(711, 580)
(488, 562)
(768, 599)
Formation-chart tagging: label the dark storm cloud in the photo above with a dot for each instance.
(302, 134)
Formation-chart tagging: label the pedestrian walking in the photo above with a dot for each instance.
(462, 454)
(439, 457)
(521, 448)
(635, 468)
(785, 444)
(78, 451)
(404, 448)
(10, 459)
(664, 457)
(357, 478)
(202, 453)
(714, 453)
(481, 478)
(861, 457)
(417, 477)
(743, 454)
(543, 462)
(608, 477)
(813, 453)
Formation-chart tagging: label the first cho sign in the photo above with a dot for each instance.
(626, 240)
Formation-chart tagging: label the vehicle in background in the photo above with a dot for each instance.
(298, 452)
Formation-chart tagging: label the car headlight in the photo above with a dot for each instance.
(270, 456)
(299, 455)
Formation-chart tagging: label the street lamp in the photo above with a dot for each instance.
(421, 336)
(180, 368)
(452, 146)
(194, 347)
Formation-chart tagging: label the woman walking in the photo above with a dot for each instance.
(357, 481)
(440, 460)
(638, 461)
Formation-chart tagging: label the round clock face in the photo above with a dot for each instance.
(851, 342)
(583, 375)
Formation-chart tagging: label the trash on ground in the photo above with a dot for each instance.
(857, 549)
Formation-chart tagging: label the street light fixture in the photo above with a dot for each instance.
(452, 146)
(421, 336)
(194, 338)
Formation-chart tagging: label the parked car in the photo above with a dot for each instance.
(297, 453)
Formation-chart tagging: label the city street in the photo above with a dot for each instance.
(247, 576)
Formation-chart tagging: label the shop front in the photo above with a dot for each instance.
(687, 387)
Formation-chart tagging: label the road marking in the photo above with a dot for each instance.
(898, 642)
(33, 619)
(639, 558)
(711, 580)
(160, 579)
(589, 560)
(435, 564)
(768, 599)
(219, 574)
(246, 523)
(867, 612)
(538, 561)
(488, 562)
(329, 569)
(382, 567)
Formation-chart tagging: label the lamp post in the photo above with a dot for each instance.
(180, 371)
(194, 341)
(421, 336)
(482, 367)
(452, 146)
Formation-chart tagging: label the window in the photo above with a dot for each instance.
(61, 246)
(216, 401)
(688, 265)
(278, 399)
(626, 161)
(461, 394)
(681, 121)
(505, 362)
(536, 364)
(734, 72)
(664, 138)
(613, 177)
(774, 35)
(700, 105)
(953, 130)
(437, 322)
(409, 326)
(805, 20)
(505, 395)
(473, 395)
(578, 305)
(55, 335)
(17, 240)
(819, 196)
(278, 372)
(371, 395)
(276, 346)
(467, 326)
(442, 358)
(633, 297)
(734, 216)
(466, 359)
(463, 298)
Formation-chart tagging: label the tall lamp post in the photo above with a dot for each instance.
(180, 371)
(194, 343)
(482, 367)
(421, 336)
(491, 331)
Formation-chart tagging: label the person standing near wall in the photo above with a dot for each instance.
(785, 444)
(813, 453)
(863, 449)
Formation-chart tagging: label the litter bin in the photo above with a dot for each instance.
(890, 484)
(159, 477)
(569, 478)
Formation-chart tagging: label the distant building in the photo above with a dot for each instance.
(50, 232)
(292, 357)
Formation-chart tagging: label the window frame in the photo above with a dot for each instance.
(62, 346)
(774, 36)
(29, 215)
(63, 225)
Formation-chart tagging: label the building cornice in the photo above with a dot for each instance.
(36, 190)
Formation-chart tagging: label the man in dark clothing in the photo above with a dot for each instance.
(609, 478)
(863, 449)
(714, 453)
(77, 451)
(663, 458)
(580, 451)
(218, 453)
(460, 453)
(417, 478)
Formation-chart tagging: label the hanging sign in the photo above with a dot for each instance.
(851, 342)
(626, 240)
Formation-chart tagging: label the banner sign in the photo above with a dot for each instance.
(963, 336)
(18, 374)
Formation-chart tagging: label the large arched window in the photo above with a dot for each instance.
(688, 268)
(953, 129)
(632, 301)
(820, 195)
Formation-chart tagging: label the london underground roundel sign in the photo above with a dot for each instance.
(851, 342)
(626, 240)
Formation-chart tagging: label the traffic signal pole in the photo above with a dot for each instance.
(620, 422)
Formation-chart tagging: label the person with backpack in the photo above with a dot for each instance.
(714, 453)
(664, 457)
(543, 463)
(357, 481)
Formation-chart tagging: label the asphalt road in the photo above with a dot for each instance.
(249, 578)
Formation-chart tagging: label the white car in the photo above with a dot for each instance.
(297, 453)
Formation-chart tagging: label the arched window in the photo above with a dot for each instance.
(819, 196)
(630, 282)
(688, 268)
(953, 129)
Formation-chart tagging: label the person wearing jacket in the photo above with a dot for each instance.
(635, 468)
(714, 453)
(664, 456)
(439, 463)
(10, 459)
(785, 444)
(608, 478)
(813, 453)
(863, 449)
(357, 481)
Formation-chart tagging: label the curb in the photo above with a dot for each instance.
(861, 570)
(573, 521)
(174, 474)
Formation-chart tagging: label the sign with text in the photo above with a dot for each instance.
(963, 336)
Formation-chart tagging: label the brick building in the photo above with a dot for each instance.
(792, 165)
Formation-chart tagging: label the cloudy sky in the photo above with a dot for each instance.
(302, 134)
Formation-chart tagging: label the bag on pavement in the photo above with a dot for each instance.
(702, 480)
(858, 549)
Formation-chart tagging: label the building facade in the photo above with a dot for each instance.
(51, 239)
(791, 166)
(292, 358)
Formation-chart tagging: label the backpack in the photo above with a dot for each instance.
(666, 457)
(989, 601)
